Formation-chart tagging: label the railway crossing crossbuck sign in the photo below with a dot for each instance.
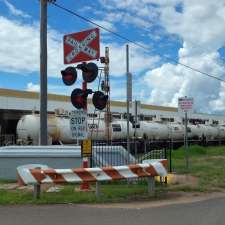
(81, 46)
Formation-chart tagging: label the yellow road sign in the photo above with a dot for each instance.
(86, 147)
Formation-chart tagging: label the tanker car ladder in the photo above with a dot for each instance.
(40, 174)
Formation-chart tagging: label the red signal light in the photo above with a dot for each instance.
(89, 71)
(69, 75)
(99, 100)
(78, 98)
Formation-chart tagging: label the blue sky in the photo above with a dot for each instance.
(187, 31)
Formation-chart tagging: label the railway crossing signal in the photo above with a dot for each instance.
(81, 47)
(99, 100)
(79, 96)
(69, 75)
(89, 71)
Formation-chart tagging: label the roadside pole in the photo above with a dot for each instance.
(128, 101)
(43, 73)
(186, 141)
(185, 104)
(85, 185)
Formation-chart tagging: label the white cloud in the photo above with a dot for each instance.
(197, 25)
(33, 87)
(14, 11)
(108, 25)
(169, 82)
(200, 26)
(52, 89)
(20, 53)
(203, 34)
(139, 60)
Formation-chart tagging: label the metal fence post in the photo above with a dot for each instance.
(170, 157)
(151, 185)
(37, 191)
(97, 189)
(37, 188)
(145, 147)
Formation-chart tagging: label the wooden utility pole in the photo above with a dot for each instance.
(107, 92)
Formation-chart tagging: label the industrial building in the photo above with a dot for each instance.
(16, 103)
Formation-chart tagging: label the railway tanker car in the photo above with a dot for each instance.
(59, 130)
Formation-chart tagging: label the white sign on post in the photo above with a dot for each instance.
(185, 104)
(136, 110)
(78, 124)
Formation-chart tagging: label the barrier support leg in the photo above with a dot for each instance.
(151, 186)
(165, 180)
(37, 191)
(161, 180)
(97, 189)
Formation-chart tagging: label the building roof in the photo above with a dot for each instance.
(63, 98)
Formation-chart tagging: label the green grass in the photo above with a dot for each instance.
(7, 181)
(120, 192)
(208, 164)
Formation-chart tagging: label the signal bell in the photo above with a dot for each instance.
(78, 98)
(89, 71)
(99, 100)
(69, 75)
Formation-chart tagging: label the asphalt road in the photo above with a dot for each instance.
(208, 212)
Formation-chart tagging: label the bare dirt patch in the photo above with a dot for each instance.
(183, 180)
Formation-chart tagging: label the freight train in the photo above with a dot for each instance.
(28, 128)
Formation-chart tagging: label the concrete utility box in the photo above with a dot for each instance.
(59, 157)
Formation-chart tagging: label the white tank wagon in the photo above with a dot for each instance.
(152, 131)
(221, 132)
(207, 132)
(96, 130)
(176, 131)
(28, 129)
(118, 130)
(59, 130)
(194, 131)
(160, 131)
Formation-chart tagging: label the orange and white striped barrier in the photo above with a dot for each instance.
(59, 176)
(42, 175)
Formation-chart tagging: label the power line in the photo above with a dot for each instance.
(100, 26)
(133, 42)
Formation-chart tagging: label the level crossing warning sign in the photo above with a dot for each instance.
(81, 46)
(185, 104)
(78, 124)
